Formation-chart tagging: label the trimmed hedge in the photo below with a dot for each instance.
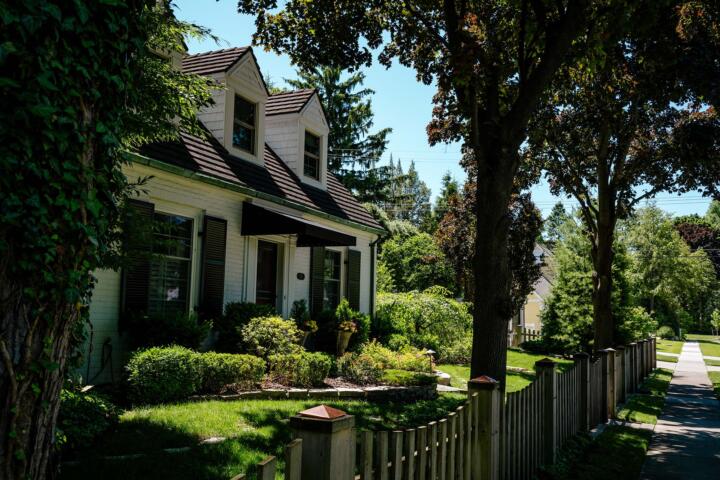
(165, 374)
(403, 378)
(266, 336)
(220, 369)
(302, 369)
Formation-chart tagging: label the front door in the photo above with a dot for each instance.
(267, 268)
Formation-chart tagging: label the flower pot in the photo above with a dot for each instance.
(343, 338)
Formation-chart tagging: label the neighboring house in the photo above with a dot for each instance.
(530, 315)
(253, 214)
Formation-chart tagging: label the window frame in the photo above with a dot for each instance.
(162, 257)
(327, 280)
(253, 129)
(316, 157)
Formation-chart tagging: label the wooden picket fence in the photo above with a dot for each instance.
(519, 334)
(486, 437)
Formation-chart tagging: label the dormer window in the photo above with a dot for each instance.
(312, 156)
(244, 125)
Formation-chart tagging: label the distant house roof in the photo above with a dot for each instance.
(288, 102)
(213, 62)
(208, 157)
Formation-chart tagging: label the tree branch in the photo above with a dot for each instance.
(428, 26)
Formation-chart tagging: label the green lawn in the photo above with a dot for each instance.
(617, 453)
(712, 363)
(254, 429)
(460, 374)
(715, 379)
(709, 344)
(667, 358)
(669, 346)
(646, 406)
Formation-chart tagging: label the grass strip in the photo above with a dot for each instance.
(667, 358)
(646, 406)
(715, 379)
(669, 346)
(617, 453)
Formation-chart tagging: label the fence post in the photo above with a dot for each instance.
(486, 451)
(633, 367)
(545, 369)
(643, 359)
(622, 374)
(654, 352)
(516, 335)
(605, 383)
(582, 360)
(328, 443)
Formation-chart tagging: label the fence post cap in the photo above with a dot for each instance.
(322, 419)
(483, 382)
(322, 411)
(545, 363)
(632, 344)
(581, 355)
(609, 350)
(620, 347)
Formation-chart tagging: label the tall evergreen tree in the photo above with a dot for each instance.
(448, 191)
(552, 225)
(353, 152)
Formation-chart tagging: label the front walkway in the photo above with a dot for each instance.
(686, 442)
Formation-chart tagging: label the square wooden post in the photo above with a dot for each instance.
(621, 374)
(486, 451)
(633, 367)
(582, 361)
(643, 359)
(605, 358)
(654, 352)
(545, 369)
(328, 443)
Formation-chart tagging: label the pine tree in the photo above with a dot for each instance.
(449, 190)
(353, 151)
(552, 225)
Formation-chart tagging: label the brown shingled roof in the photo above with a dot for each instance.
(208, 157)
(213, 62)
(288, 102)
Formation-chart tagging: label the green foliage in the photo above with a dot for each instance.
(458, 353)
(636, 324)
(352, 149)
(384, 277)
(408, 359)
(416, 263)
(715, 320)
(359, 368)
(449, 192)
(666, 333)
(83, 418)
(406, 198)
(677, 286)
(424, 320)
(299, 369)
(184, 329)
(553, 224)
(163, 374)
(265, 336)
(236, 316)
(403, 378)
(220, 369)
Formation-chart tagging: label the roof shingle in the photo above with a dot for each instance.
(288, 102)
(213, 62)
(208, 157)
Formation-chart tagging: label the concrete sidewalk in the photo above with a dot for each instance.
(686, 442)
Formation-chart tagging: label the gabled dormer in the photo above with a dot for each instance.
(297, 130)
(237, 120)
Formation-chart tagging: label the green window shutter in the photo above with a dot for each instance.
(317, 279)
(138, 236)
(212, 286)
(353, 279)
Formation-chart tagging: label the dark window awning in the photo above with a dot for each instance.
(261, 221)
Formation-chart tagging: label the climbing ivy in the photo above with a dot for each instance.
(80, 83)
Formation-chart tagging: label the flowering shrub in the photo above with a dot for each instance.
(425, 320)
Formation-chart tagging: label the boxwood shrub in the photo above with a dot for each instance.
(403, 378)
(163, 374)
(83, 417)
(220, 369)
(301, 369)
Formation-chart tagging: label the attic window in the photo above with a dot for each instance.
(244, 125)
(312, 156)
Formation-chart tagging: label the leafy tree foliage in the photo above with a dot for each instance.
(552, 225)
(491, 62)
(712, 216)
(673, 283)
(80, 82)
(406, 197)
(456, 237)
(352, 150)
(450, 189)
(416, 262)
(698, 233)
(622, 132)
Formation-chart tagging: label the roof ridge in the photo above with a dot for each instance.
(294, 91)
(193, 55)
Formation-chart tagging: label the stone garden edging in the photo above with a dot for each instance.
(378, 393)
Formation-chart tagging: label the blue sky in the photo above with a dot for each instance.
(400, 102)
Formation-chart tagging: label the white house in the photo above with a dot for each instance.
(252, 211)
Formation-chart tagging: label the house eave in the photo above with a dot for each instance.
(210, 180)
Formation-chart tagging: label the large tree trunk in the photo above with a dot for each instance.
(492, 302)
(34, 348)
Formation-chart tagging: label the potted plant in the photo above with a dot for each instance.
(346, 325)
(301, 315)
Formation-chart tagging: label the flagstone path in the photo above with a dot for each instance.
(686, 442)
